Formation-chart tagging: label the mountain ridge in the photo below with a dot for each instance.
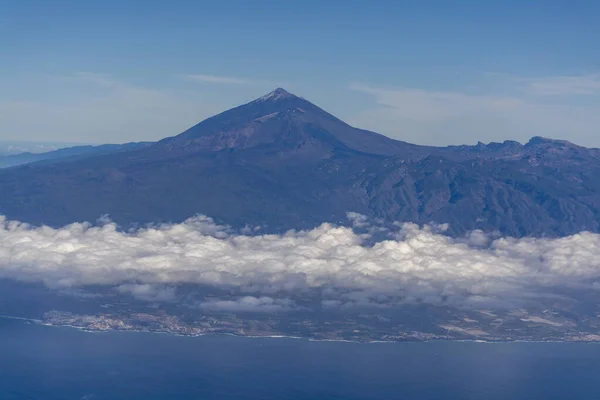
(281, 162)
(67, 153)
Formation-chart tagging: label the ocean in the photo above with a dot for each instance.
(51, 363)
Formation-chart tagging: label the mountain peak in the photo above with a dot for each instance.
(277, 94)
(282, 121)
(539, 140)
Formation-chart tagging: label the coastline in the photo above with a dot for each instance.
(309, 339)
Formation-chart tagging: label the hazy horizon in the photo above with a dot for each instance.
(8, 147)
(431, 73)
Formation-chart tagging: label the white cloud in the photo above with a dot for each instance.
(249, 304)
(463, 117)
(582, 85)
(218, 79)
(148, 292)
(234, 81)
(415, 263)
(97, 79)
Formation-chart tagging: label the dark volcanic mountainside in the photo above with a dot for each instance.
(281, 162)
(285, 123)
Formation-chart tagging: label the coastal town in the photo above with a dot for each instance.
(358, 328)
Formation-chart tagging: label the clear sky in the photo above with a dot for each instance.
(428, 72)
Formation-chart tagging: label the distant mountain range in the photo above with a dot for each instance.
(281, 162)
(66, 154)
(10, 147)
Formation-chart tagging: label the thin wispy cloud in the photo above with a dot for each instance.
(519, 112)
(583, 85)
(95, 78)
(233, 81)
(99, 108)
(228, 80)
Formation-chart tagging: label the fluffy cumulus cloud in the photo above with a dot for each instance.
(249, 304)
(340, 263)
(148, 292)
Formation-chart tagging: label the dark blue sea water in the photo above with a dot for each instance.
(38, 362)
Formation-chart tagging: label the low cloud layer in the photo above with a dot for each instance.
(248, 304)
(413, 264)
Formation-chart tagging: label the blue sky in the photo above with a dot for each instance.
(430, 72)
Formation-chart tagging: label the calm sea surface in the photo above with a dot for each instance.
(38, 362)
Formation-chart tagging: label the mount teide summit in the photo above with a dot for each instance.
(281, 162)
(282, 122)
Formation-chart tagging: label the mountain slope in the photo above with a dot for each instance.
(281, 162)
(282, 119)
(67, 153)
